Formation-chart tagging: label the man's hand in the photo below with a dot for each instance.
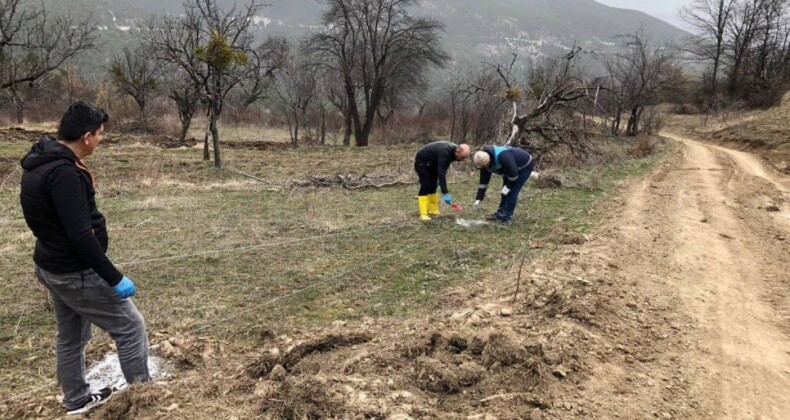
(505, 190)
(125, 288)
(447, 198)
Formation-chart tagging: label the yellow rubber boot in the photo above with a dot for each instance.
(423, 201)
(433, 205)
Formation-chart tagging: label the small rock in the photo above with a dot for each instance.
(560, 372)
(704, 220)
(536, 414)
(772, 207)
(506, 312)
(338, 323)
(167, 348)
(277, 374)
(264, 389)
(459, 315)
(666, 415)
(172, 407)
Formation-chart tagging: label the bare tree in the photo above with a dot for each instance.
(709, 20)
(214, 48)
(134, 74)
(181, 89)
(336, 95)
(295, 90)
(33, 43)
(557, 102)
(742, 29)
(370, 43)
(264, 62)
(642, 74)
(757, 57)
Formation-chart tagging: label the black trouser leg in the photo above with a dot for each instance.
(429, 178)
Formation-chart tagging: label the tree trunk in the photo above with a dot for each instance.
(215, 138)
(633, 121)
(206, 155)
(141, 105)
(616, 123)
(323, 126)
(464, 121)
(295, 138)
(452, 123)
(363, 137)
(360, 135)
(186, 121)
(20, 111)
(347, 134)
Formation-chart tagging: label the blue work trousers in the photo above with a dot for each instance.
(507, 206)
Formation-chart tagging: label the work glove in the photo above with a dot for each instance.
(505, 190)
(477, 204)
(534, 175)
(125, 288)
(447, 198)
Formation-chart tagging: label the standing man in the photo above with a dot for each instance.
(515, 165)
(58, 201)
(431, 164)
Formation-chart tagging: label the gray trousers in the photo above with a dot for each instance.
(81, 299)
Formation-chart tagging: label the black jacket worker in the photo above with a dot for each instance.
(431, 165)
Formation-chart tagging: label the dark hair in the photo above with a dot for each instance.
(81, 118)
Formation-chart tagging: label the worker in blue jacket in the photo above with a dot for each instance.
(515, 165)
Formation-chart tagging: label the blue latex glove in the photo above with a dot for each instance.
(125, 288)
(447, 198)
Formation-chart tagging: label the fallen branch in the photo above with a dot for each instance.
(250, 176)
(349, 183)
(518, 281)
(277, 190)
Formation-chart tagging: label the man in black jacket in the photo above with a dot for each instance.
(58, 201)
(514, 165)
(431, 165)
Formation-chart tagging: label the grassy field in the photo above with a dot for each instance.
(215, 253)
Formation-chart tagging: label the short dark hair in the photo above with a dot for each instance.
(81, 118)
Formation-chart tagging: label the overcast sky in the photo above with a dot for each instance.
(662, 9)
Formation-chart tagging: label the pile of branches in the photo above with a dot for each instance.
(350, 182)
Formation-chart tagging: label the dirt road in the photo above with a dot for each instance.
(713, 225)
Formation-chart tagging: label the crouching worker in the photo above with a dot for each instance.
(515, 165)
(431, 164)
(59, 205)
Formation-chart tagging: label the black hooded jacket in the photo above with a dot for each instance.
(58, 201)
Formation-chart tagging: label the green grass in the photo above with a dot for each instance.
(379, 262)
